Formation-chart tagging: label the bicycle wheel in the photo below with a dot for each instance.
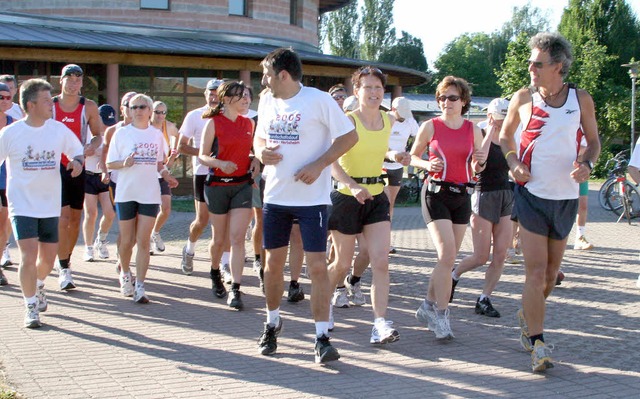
(408, 193)
(633, 196)
(614, 198)
(602, 194)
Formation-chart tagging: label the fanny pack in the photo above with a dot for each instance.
(369, 180)
(210, 179)
(435, 186)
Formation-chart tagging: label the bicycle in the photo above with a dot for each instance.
(410, 188)
(623, 197)
(616, 167)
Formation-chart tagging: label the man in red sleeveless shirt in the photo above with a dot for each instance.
(81, 116)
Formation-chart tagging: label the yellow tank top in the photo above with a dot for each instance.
(366, 157)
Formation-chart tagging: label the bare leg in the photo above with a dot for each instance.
(378, 236)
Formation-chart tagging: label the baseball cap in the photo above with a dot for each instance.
(126, 97)
(350, 104)
(402, 105)
(4, 87)
(72, 69)
(107, 114)
(498, 107)
(213, 84)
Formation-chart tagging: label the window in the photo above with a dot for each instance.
(238, 7)
(154, 4)
(295, 15)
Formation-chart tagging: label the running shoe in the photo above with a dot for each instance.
(340, 299)
(541, 356)
(354, 293)
(383, 333)
(325, 352)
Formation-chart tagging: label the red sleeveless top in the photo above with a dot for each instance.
(73, 120)
(234, 139)
(454, 147)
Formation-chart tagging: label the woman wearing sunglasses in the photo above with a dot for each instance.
(138, 152)
(455, 153)
(227, 189)
(5, 119)
(171, 135)
(360, 204)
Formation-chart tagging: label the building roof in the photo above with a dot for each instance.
(332, 5)
(23, 30)
(427, 104)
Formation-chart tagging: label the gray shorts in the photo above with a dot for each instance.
(221, 199)
(492, 205)
(549, 218)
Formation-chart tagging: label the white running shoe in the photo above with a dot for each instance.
(354, 293)
(140, 296)
(426, 315)
(41, 294)
(32, 316)
(65, 280)
(383, 333)
(581, 244)
(443, 328)
(6, 257)
(340, 299)
(101, 248)
(126, 284)
(157, 243)
(257, 265)
(226, 273)
(88, 254)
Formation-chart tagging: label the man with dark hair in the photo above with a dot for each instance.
(32, 148)
(80, 115)
(547, 168)
(300, 133)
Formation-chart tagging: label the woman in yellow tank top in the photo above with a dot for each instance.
(359, 203)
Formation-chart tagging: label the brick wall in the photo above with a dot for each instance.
(267, 17)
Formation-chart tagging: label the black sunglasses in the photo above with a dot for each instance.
(135, 107)
(160, 112)
(450, 98)
(339, 97)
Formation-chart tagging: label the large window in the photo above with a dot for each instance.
(154, 4)
(295, 12)
(238, 7)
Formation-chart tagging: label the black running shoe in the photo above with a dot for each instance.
(268, 342)
(3, 279)
(454, 282)
(261, 277)
(296, 294)
(217, 285)
(235, 300)
(484, 307)
(325, 352)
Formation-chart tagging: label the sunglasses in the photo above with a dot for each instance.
(160, 112)
(368, 70)
(339, 97)
(450, 98)
(538, 64)
(135, 107)
(8, 98)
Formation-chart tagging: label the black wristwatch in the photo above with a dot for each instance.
(588, 164)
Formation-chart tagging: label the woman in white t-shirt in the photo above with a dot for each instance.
(138, 152)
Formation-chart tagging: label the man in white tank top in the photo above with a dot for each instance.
(555, 116)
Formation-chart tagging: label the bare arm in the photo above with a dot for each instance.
(185, 148)
(420, 145)
(519, 170)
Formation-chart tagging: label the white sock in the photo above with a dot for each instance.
(139, 284)
(39, 283)
(581, 231)
(191, 247)
(322, 328)
(31, 300)
(379, 320)
(273, 316)
(482, 296)
(225, 258)
(103, 236)
(454, 275)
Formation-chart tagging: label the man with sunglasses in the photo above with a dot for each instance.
(547, 168)
(81, 116)
(191, 128)
(300, 133)
(15, 111)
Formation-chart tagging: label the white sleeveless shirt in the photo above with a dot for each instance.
(549, 145)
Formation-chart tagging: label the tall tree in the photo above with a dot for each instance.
(513, 73)
(407, 52)
(342, 28)
(377, 30)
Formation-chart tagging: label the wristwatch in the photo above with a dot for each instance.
(588, 164)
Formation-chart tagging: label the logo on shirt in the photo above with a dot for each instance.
(571, 111)
(39, 160)
(283, 129)
(66, 119)
(145, 153)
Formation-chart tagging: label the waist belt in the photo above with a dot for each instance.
(90, 173)
(436, 186)
(369, 180)
(226, 179)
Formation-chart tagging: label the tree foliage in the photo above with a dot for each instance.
(407, 52)
(342, 31)
(513, 73)
(377, 28)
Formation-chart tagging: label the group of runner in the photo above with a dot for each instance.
(301, 140)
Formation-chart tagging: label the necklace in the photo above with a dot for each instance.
(551, 95)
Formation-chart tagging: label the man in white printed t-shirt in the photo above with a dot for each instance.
(32, 148)
(301, 131)
(191, 128)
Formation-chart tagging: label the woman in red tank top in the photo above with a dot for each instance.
(226, 149)
(454, 146)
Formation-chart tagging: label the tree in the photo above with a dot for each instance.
(408, 52)
(513, 73)
(342, 28)
(377, 22)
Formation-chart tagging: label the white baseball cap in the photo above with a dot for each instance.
(498, 107)
(403, 107)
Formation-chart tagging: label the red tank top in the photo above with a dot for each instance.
(73, 120)
(454, 147)
(235, 139)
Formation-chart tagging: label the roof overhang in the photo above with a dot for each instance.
(332, 5)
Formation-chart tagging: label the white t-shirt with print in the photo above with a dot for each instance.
(400, 132)
(304, 127)
(192, 127)
(33, 166)
(138, 182)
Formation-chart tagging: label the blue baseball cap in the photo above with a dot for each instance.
(72, 69)
(213, 84)
(108, 115)
(4, 87)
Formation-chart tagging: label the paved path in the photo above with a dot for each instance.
(185, 344)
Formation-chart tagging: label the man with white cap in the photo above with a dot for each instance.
(491, 204)
(191, 128)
